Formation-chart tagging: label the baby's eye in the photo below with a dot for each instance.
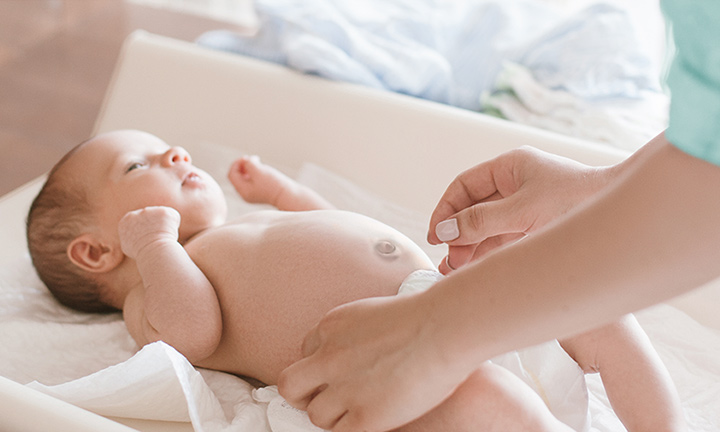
(134, 165)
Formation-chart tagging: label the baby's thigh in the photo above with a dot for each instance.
(491, 399)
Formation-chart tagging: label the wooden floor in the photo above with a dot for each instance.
(56, 59)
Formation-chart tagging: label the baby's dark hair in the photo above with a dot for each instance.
(58, 215)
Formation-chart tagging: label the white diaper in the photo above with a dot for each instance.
(282, 417)
(556, 378)
(419, 280)
(546, 368)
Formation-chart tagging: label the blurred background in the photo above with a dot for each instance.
(57, 58)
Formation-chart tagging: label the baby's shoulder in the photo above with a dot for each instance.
(208, 236)
(242, 230)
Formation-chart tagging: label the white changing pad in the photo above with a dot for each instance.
(92, 362)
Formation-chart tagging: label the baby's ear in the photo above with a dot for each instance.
(91, 255)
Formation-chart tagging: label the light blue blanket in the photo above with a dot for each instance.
(449, 51)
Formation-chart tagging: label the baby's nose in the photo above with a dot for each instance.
(176, 155)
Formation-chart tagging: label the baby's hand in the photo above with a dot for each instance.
(256, 182)
(140, 228)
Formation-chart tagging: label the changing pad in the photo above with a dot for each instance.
(91, 361)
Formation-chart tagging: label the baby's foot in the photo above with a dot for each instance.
(256, 182)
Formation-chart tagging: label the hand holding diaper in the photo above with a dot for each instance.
(364, 377)
(505, 198)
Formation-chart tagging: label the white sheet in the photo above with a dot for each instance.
(46, 342)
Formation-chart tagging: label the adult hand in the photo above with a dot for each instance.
(364, 377)
(505, 198)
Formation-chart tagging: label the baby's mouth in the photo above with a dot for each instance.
(191, 179)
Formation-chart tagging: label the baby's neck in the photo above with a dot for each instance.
(192, 236)
(120, 282)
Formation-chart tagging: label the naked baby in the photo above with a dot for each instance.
(126, 222)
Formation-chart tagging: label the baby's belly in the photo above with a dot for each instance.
(277, 278)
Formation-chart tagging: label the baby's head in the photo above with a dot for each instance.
(72, 224)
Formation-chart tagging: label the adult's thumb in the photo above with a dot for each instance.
(478, 222)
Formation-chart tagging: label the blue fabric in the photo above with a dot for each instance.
(694, 78)
(449, 52)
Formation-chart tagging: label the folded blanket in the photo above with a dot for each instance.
(624, 123)
(449, 52)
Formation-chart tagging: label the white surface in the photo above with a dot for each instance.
(238, 12)
(385, 144)
(20, 411)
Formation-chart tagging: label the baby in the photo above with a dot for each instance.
(126, 222)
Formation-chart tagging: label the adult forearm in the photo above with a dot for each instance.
(614, 173)
(648, 237)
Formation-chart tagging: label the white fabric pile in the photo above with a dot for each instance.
(590, 71)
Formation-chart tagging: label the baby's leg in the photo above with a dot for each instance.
(637, 383)
(491, 399)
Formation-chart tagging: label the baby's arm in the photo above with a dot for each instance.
(176, 303)
(262, 184)
(637, 383)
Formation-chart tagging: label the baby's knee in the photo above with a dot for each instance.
(488, 382)
(588, 348)
(505, 401)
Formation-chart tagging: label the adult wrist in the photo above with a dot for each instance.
(449, 331)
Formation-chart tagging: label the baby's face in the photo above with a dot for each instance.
(128, 170)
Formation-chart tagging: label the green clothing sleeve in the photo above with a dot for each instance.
(694, 77)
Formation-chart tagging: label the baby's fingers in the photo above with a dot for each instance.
(143, 226)
(243, 172)
(239, 168)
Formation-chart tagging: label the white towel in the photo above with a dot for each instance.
(623, 123)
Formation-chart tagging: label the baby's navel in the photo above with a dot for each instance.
(387, 249)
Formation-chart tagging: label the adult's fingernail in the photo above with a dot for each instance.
(447, 230)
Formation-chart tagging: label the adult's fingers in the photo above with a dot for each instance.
(473, 186)
(459, 256)
(326, 409)
(479, 222)
(299, 388)
(301, 382)
(492, 243)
